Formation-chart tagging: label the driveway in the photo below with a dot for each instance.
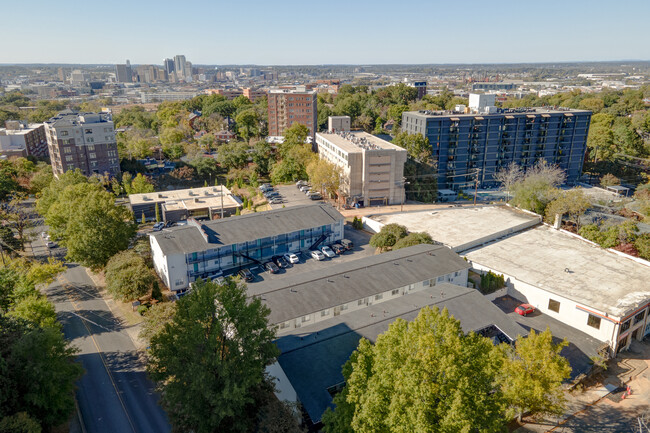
(581, 346)
(114, 394)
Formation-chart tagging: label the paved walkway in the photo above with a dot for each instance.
(596, 410)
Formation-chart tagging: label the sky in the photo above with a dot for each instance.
(309, 32)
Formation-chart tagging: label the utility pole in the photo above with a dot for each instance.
(478, 170)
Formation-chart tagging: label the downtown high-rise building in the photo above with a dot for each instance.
(168, 66)
(123, 72)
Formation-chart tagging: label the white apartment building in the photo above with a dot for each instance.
(373, 169)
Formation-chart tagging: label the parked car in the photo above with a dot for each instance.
(51, 244)
(271, 194)
(315, 197)
(246, 274)
(305, 188)
(170, 224)
(158, 226)
(525, 309)
(43, 235)
(271, 267)
(317, 255)
(292, 258)
(276, 200)
(338, 248)
(281, 262)
(347, 244)
(301, 183)
(328, 251)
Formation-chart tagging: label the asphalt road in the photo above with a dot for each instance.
(114, 394)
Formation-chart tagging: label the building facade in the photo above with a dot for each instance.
(338, 123)
(84, 141)
(123, 73)
(199, 249)
(177, 205)
(372, 169)
(289, 106)
(20, 139)
(471, 147)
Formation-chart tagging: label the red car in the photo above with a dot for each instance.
(524, 309)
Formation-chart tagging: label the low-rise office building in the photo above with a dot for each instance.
(183, 254)
(372, 168)
(200, 203)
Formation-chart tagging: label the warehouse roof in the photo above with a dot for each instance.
(306, 293)
(312, 359)
(570, 267)
(244, 228)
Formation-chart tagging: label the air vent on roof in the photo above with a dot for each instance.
(396, 264)
(346, 276)
(294, 291)
(330, 281)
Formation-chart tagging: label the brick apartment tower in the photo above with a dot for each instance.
(82, 140)
(287, 106)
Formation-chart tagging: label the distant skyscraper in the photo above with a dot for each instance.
(123, 73)
(179, 66)
(168, 66)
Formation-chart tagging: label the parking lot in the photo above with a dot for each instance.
(581, 346)
(307, 263)
(292, 196)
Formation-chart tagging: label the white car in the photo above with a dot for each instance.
(51, 244)
(328, 251)
(291, 258)
(317, 255)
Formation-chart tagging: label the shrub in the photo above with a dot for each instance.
(142, 309)
(491, 282)
(357, 223)
(609, 180)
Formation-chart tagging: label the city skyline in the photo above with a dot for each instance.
(341, 33)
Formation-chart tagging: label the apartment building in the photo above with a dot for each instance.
(84, 141)
(21, 139)
(372, 168)
(289, 106)
(467, 147)
(254, 94)
(183, 254)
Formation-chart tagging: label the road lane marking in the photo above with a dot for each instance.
(65, 284)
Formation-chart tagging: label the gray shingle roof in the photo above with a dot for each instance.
(312, 358)
(306, 293)
(245, 228)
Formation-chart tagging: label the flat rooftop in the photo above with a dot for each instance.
(312, 357)
(307, 293)
(244, 228)
(205, 195)
(596, 277)
(358, 141)
(461, 228)
(505, 112)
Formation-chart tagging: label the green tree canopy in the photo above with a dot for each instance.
(413, 239)
(416, 145)
(127, 276)
(421, 376)
(233, 155)
(208, 376)
(388, 236)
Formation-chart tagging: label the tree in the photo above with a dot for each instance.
(416, 145)
(50, 194)
(295, 135)
(155, 319)
(36, 309)
(413, 239)
(262, 157)
(247, 124)
(90, 225)
(509, 176)
(533, 374)
(127, 276)
(424, 376)
(208, 377)
(388, 236)
(324, 176)
(8, 179)
(572, 202)
(538, 187)
(183, 173)
(204, 166)
(9, 239)
(38, 372)
(20, 422)
(140, 185)
(609, 180)
(233, 155)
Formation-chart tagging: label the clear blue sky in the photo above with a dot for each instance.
(323, 32)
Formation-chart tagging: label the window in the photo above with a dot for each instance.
(178, 283)
(64, 133)
(554, 305)
(360, 302)
(639, 317)
(441, 279)
(593, 321)
(67, 150)
(306, 318)
(92, 155)
(395, 292)
(325, 313)
(625, 326)
(379, 297)
(90, 140)
(68, 158)
(344, 307)
(88, 131)
(91, 147)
